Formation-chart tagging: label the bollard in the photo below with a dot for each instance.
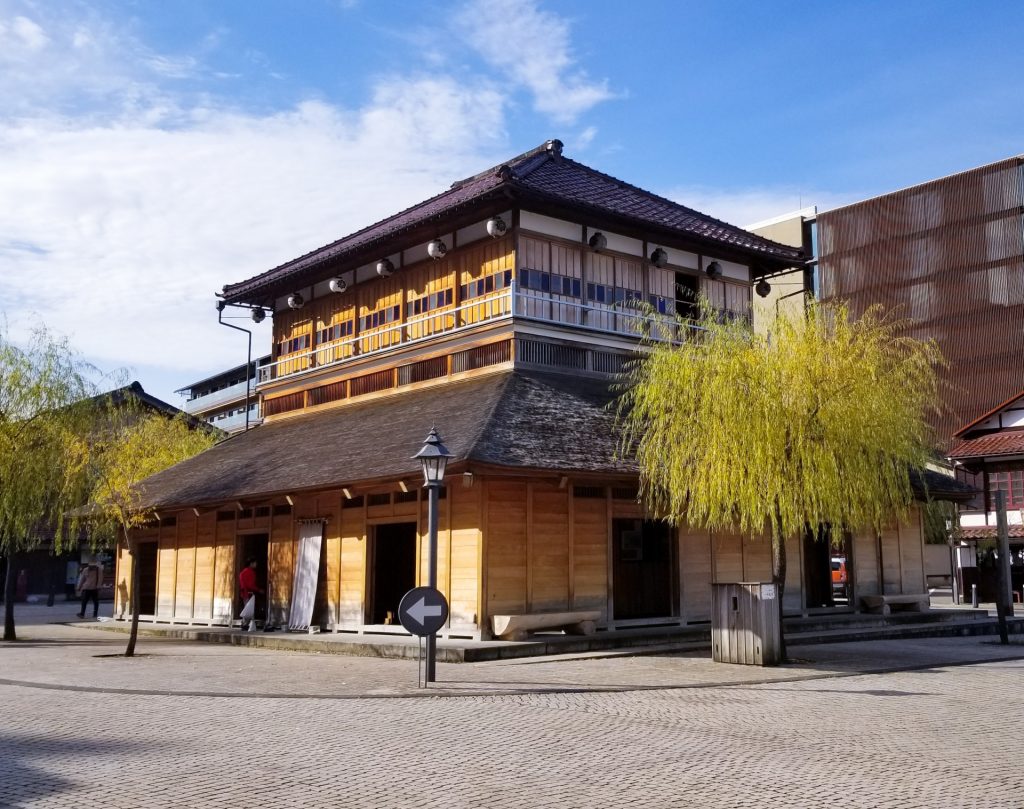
(974, 596)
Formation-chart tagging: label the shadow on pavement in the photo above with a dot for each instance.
(24, 781)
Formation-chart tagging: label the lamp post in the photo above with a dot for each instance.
(434, 457)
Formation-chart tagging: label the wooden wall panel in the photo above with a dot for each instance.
(590, 555)
(728, 555)
(912, 553)
(464, 575)
(696, 564)
(892, 578)
(202, 576)
(165, 570)
(757, 558)
(225, 583)
(353, 566)
(281, 560)
(329, 507)
(865, 565)
(186, 560)
(506, 547)
(549, 547)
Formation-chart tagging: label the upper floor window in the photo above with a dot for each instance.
(428, 303)
(662, 305)
(543, 281)
(389, 314)
(294, 344)
(486, 284)
(1012, 483)
(609, 295)
(335, 332)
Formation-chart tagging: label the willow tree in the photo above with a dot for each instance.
(45, 419)
(133, 445)
(821, 421)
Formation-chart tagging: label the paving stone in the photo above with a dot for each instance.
(227, 727)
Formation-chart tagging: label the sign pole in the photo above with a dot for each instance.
(431, 668)
(1004, 601)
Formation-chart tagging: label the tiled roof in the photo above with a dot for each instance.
(544, 175)
(1007, 442)
(989, 532)
(936, 486)
(511, 419)
(987, 414)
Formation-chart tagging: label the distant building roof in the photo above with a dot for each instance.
(508, 420)
(264, 360)
(1007, 442)
(989, 532)
(545, 176)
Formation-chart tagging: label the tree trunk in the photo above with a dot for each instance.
(133, 635)
(9, 583)
(779, 577)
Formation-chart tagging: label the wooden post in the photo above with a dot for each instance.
(1004, 600)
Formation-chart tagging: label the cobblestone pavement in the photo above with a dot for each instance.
(243, 727)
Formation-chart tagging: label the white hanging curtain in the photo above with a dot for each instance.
(307, 572)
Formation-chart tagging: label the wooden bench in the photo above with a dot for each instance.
(912, 603)
(517, 627)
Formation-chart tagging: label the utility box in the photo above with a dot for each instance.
(745, 624)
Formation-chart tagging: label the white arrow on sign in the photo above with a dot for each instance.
(420, 611)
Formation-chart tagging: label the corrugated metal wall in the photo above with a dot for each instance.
(950, 255)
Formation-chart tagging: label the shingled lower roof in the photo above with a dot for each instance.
(511, 419)
(543, 175)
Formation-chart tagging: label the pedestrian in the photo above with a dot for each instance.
(249, 587)
(89, 582)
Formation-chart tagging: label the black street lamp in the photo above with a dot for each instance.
(434, 457)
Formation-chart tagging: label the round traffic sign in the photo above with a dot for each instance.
(423, 610)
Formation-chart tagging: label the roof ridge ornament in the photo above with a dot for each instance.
(554, 148)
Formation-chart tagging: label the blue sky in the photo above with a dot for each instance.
(152, 151)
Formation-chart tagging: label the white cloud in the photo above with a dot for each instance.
(130, 198)
(31, 35)
(120, 236)
(533, 49)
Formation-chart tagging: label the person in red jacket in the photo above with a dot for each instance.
(249, 586)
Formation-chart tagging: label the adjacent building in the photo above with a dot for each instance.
(228, 399)
(989, 456)
(498, 311)
(947, 254)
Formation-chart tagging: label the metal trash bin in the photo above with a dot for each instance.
(745, 624)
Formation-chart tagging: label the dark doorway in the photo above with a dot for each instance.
(687, 290)
(642, 558)
(145, 558)
(253, 546)
(828, 568)
(392, 570)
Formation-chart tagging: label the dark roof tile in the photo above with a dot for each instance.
(1008, 442)
(545, 175)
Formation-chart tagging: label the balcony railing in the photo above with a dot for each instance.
(508, 303)
(230, 424)
(216, 398)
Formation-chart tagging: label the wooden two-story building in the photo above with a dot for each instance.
(499, 311)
